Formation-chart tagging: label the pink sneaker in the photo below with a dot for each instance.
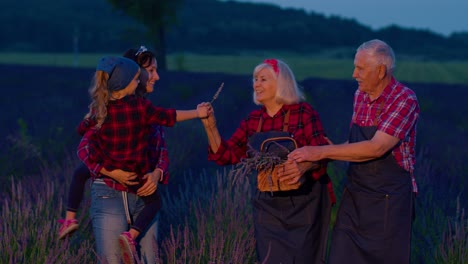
(67, 228)
(127, 248)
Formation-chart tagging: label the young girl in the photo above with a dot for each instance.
(157, 144)
(119, 140)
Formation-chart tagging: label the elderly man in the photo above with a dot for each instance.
(374, 220)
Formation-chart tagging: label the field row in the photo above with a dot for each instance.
(303, 66)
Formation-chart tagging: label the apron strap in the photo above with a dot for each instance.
(285, 122)
(377, 113)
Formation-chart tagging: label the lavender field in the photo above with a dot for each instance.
(206, 215)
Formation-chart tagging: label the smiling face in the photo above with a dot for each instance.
(265, 85)
(150, 77)
(369, 73)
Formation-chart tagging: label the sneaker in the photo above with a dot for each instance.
(67, 228)
(127, 248)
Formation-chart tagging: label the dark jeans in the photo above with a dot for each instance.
(77, 186)
(152, 206)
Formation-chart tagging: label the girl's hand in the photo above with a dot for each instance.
(210, 121)
(204, 110)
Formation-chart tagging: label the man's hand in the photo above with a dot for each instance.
(306, 153)
(292, 172)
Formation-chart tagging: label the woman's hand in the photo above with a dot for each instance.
(151, 185)
(289, 172)
(123, 177)
(210, 121)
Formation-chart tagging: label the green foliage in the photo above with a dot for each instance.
(156, 16)
(206, 26)
(304, 66)
(179, 61)
(19, 148)
(23, 130)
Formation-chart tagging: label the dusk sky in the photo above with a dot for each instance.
(440, 16)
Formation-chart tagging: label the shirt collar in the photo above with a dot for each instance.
(385, 93)
(282, 112)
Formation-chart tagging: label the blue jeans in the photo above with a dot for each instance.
(109, 221)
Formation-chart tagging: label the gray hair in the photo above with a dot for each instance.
(380, 50)
(288, 91)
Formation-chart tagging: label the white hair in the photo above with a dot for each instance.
(382, 51)
(288, 91)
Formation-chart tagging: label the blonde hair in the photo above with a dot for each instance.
(288, 91)
(100, 97)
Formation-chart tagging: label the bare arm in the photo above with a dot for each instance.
(214, 138)
(183, 115)
(202, 111)
(354, 152)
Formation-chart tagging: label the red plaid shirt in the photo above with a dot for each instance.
(158, 152)
(123, 141)
(399, 112)
(304, 125)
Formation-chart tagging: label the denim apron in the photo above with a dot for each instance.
(291, 226)
(374, 220)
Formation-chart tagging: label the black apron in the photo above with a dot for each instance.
(374, 220)
(291, 227)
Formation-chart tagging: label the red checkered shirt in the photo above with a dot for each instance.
(304, 126)
(399, 112)
(124, 140)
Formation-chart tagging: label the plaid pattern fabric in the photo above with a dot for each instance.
(304, 126)
(85, 154)
(398, 117)
(123, 141)
(85, 125)
(158, 152)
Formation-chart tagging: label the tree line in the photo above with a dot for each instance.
(202, 26)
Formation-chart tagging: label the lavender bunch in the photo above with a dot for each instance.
(256, 160)
(215, 96)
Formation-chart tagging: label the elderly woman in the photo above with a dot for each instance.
(292, 207)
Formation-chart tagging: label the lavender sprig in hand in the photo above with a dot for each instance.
(215, 96)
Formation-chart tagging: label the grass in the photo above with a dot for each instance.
(303, 65)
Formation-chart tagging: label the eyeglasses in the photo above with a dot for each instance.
(141, 50)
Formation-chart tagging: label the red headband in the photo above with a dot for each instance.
(273, 63)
